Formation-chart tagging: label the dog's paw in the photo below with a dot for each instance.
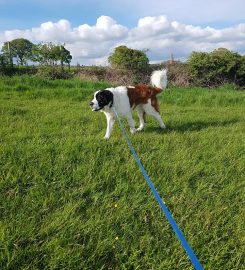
(133, 130)
(139, 129)
(106, 137)
(163, 127)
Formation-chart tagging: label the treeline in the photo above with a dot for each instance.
(22, 56)
(212, 69)
(126, 65)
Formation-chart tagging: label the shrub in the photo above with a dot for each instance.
(114, 76)
(240, 75)
(215, 68)
(53, 72)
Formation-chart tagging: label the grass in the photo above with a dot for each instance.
(71, 200)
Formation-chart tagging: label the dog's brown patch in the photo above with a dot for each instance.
(141, 93)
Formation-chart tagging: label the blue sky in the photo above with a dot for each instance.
(30, 13)
(206, 24)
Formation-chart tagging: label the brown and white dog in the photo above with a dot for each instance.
(123, 99)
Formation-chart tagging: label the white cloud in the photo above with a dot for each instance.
(93, 44)
(106, 29)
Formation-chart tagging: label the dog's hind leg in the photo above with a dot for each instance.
(140, 112)
(149, 109)
(131, 122)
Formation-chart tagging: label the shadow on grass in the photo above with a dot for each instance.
(190, 126)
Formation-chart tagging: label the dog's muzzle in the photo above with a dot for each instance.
(91, 104)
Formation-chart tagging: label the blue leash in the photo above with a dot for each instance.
(197, 265)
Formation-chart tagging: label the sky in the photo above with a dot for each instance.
(91, 29)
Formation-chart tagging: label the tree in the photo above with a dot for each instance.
(6, 56)
(129, 59)
(44, 53)
(19, 48)
(3, 63)
(50, 54)
(3, 60)
(65, 56)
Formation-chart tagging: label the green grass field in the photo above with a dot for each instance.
(71, 200)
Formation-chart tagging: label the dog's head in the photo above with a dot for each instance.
(101, 99)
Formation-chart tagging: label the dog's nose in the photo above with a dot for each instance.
(91, 104)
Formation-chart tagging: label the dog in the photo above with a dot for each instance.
(123, 99)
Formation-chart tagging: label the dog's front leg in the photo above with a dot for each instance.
(110, 122)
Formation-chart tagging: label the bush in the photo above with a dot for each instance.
(114, 76)
(53, 72)
(215, 68)
(15, 70)
(240, 75)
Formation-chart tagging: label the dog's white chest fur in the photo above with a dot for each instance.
(120, 99)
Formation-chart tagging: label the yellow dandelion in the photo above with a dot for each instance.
(116, 238)
(115, 205)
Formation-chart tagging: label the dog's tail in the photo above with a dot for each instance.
(159, 78)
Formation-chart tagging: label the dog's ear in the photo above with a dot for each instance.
(109, 97)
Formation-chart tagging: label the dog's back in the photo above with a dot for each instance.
(141, 93)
